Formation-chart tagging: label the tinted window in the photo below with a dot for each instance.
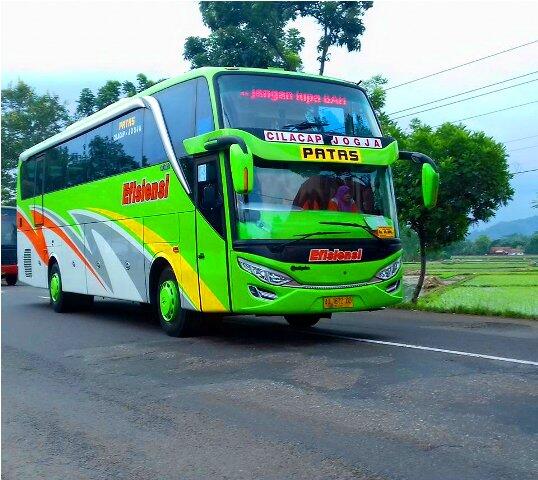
(204, 115)
(39, 175)
(284, 103)
(153, 149)
(126, 151)
(27, 178)
(56, 168)
(98, 148)
(76, 162)
(9, 227)
(177, 104)
(209, 195)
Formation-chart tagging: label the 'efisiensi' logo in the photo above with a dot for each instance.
(336, 255)
(134, 192)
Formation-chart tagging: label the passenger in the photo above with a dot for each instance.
(312, 201)
(342, 201)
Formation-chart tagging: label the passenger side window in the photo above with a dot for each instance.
(76, 161)
(177, 104)
(98, 148)
(125, 153)
(153, 149)
(27, 178)
(56, 168)
(204, 114)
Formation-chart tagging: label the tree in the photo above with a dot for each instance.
(341, 25)
(474, 182)
(85, 103)
(109, 93)
(482, 245)
(247, 34)
(532, 246)
(27, 119)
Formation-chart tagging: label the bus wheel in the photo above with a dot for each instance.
(302, 321)
(61, 301)
(174, 320)
(11, 279)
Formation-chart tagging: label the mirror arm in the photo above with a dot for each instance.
(223, 142)
(417, 157)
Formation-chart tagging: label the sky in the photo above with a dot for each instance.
(64, 46)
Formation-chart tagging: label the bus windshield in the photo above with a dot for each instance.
(291, 198)
(292, 104)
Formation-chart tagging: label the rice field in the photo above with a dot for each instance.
(483, 286)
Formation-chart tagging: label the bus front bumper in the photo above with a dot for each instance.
(251, 297)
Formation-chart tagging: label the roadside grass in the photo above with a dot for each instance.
(482, 286)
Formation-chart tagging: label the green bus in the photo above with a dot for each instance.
(225, 190)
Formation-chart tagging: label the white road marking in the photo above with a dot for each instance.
(429, 349)
(42, 296)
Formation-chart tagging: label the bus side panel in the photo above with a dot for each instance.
(72, 268)
(118, 261)
(162, 239)
(189, 267)
(32, 257)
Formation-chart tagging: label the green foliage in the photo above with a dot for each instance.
(341, 24)
(247, 34)
(475, 179)
(532, 245)
(109, 93)
(27, 119)
(474, 182)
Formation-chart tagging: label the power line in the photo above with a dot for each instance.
(522, 148)
(462, 93)
(462, 65)
(464, 99)
(518, 139)
(524, 171)
(489, 113)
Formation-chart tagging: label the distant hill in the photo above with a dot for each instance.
(523, 226)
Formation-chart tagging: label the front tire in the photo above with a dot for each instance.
(175, 321)
(302, 321)
(11, 280)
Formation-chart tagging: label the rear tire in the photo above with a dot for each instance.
(175, 321)
(61, 301)
(302, 321)
(11, 280)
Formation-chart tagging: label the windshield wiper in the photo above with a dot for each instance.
(355, 225)
(305, 125)
(281, 247)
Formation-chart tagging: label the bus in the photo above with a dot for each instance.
(9, 245)
(222, 191)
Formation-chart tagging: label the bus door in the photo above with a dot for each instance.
(212, 256)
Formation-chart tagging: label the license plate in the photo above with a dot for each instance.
(338, 302)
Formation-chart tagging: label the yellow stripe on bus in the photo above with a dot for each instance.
(186, 275)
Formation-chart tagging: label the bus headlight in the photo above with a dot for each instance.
(390, 271)
(264, 274)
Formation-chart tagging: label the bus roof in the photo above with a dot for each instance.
(125, 105)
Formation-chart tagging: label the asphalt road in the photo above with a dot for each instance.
(104, 394)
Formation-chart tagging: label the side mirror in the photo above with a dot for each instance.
(242, 167)
(430, 176)
(430, 185)
(241, 161)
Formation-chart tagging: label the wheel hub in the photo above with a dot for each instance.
(55, 287)
(169, 300)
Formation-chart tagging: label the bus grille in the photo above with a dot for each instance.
(27, 261)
